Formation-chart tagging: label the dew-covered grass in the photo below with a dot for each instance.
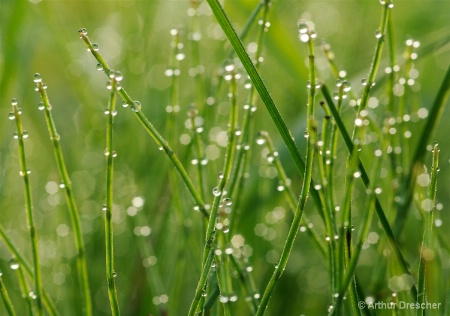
(224, 158)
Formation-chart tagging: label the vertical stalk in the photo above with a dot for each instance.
(110, 155)
(136, 108)
(427, 253)
(4, 293)
(306, 35)
(25, 174)
(70, 199)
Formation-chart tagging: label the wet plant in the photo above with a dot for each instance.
(232, 206)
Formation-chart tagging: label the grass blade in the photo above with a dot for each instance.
(25, 173)
(70, 199)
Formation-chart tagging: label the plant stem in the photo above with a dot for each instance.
(311, 142)
(70, 199)
(160, 141)
(4, 293)
(24, 173)
(429, 129)
(109, 236)
(48, 303)
(427, 252)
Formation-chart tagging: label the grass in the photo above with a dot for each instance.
(207, 222)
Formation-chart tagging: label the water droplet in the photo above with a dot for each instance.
(194, 161)
(302, 28)
(364, 82)
(280, 187)
(124, 104)
(114, 274)
(327, 238)
(106, 152)
(11, 116)
(229, 65)
(62, 185)
(136, 106)
(260, 139)
(95, 47)
(106, 111)
(306, 134)
(25, 134)
(108, 85)
(37, 77)
(99, 67)
(216, 191)
(114, 154)
(220, 175)
(118, 76)
(304, 37)
(16, 135)
(41, 106)
(44, 86)
(224, 299)
(32, 295)
(83, 32)
(13, 264)
(256, 296)
(22, 174)
(104, 208)
(227, 201)
(233, 298)
(270, 157)
(378, 34)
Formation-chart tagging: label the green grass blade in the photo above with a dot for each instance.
(136, 107)
(4, 293)
(108, 208)
(428, 132)
(365, 178)
(70, 199)
(24, 173)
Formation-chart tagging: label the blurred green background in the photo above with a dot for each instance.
(134, 37)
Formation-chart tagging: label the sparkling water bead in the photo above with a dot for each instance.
(13, 101)
(41, 106)
(37, 77)
(136, 106)
(95, 47)
(11, 116)
(83, 32)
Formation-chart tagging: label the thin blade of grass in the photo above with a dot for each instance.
(437, 109)
(365, 178)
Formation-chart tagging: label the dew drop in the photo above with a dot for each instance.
(216, 191)
(83, 32)
(25, 134)
(41, 106)
(136, 106)
(108, 85)
(106, 111)
(124, 104)
(227, 202)
(95, 47)
(364, 82)
(106, 152)
(13, 264)
(302, 28)
(11, 116)
(104, 208)
(224, 299)
(32, 295)
(118, 76)
(306, 134)
(114, 274)
(378, 34)
(99, 67)
(37, 77)
(16, 135)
